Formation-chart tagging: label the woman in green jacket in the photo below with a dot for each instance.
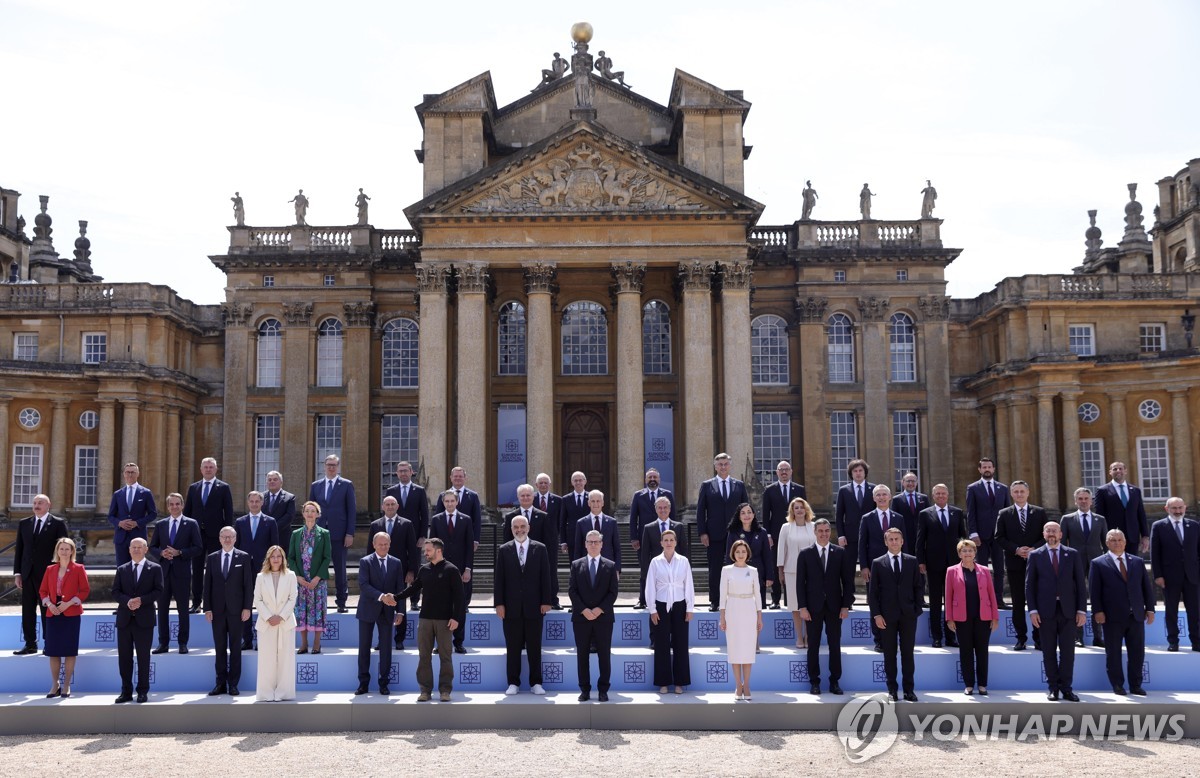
(309, 555)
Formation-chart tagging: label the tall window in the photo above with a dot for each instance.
(26, 474)
(397, 443)
(87, 460)
(267, 440)
(401, 354)
(25, 346)
(1154, 468)
(656, 338)
(841, 349)
(772, 442)
(270, 354)
(843, 444)
(1091, 464)
(902, 340)
(95, 348)
(510, 354)
(329, 440)
(1152, 338)
(329, 353)
(584, 339)
(905, 446)
(1081, 339)
(768, 350)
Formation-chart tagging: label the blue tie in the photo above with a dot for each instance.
(204, 496)
(1124, 496)
(253, 527)
(593, 566)
(173, 523)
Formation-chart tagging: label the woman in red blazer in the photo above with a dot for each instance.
(971, 614)
(64, 588)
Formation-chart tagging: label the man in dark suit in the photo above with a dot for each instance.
(641, 513)
(715, 507)
(574, 508)
(521, 592)
(256, 532)
(280, 504)
(413, 504)
(36, 538)
(453, 528)
(775, 501)
(1121, 504)
(985, 499)
(541, 528)
(894, 592)
(210, 502)
(939, 529)
(854, 500)
(402, 545)
(130, 511)
(1057, 595)
(177, 545)
(1018, 532)
(380, 579)
(651, 545)
(593, 591)
(824, 594)
(872, 537)
(1085, 530)
(137, 588)
(550, 504)
(339, 511)
(1123, 603)
(228, 598)
(597, 519)
(468, 502)
(1175, 562)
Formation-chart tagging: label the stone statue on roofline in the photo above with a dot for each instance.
(558, 68)
(301, 208)
(361, 204)
(239, 211)
(928, 198)
(808, 202)
(864, 202)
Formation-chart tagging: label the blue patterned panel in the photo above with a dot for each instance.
(332, 630)
(860, 628)
(717, 672)
(958, 671)
(135, 674)
(635, 672)
(175, 629)
(479, 629)
(798, 672)
(470, 673)
(306, 673)
(785, 629)
(1146, 672)
(707, 629)
(394, 674)
(556, 629)
(552, 672)
(878, 674)
(631, 629)
(106, 632)
(410, 628)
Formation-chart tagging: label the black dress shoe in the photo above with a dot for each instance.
(161, 649)
(878, 648)
(713, 608)
(1097, 644)
(937, 644)
(1119, 690)
(247, 647)
(384, 690)
(1196, 647)
(1139, 691)
(26, 650)
(894, 695)
(1170, 647)
(1079, 642)
(982, 692)
(183, 648)
(556, 607)
(1070, 696)
(594, 650)
(362, 689)
(641, 606)
(584, 696)
(343, 609)
(218, 689)
(1004, 606)
(143, 697)
(398, 647)
(814, 689)
(603, 697)
(195, 609)
(375, 647)
(233, 691)
(1052, 696)
(1020, 646)
(835, 689)
(125, 697)
(460, 649)
(910, 697)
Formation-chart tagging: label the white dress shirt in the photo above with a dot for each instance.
(670, 582)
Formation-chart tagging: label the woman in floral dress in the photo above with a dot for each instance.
(309, 555)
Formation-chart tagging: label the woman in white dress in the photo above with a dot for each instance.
(741, 615)
(275, 601)
(794, 537)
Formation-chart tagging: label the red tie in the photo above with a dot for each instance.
(912, 503)
(451, 519)
(543, 502)
(883, 520)
(1054, 559)
(1124, 570)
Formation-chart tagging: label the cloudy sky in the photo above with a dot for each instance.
(144, 117)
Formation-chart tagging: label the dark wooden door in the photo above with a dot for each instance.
(585, 447)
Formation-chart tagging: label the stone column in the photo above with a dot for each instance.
(297, 460)
(5, 494)
(1047, 452)
(1120, 448)
(1070, 429)
(130, 430)
(106, 457)
(539, 369)
(876, 443)
(356, 375)
(1006, 469)
(811, 464)
(1184, 480)
(735, 336)
(434, 380)
(59, 465)
(939, 442)
(238, 376)
(188, 466)
(984, 419)
(697, 390)
(173, 481)
(631, 416)
(470, 418)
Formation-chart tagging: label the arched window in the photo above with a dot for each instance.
(584, 339)
(902, 341)
(840, 349)
(656, 338)
(400, 354)
(270, 354)
(768, 350)
(510, 352)
(329, 353)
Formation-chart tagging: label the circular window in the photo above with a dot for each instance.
(29, 418)
(1150, 410)
(1088, 412)
(88, 420)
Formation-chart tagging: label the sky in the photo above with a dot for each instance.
(145, 117)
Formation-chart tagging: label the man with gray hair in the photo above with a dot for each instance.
(1123, 603)
(521, 593)
(593, 591)
(1085, 530)
(1175, 562)
(601, 522)
(256, 532)
(37, 537)
(210, 502)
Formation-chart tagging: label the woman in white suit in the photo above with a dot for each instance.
(275, 601)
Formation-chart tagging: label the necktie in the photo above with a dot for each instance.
(458, 494)
(653, 496)
(383, 565)
(1054, 559)
(129, 497)
(662, 527)
(1087, 526)
(137, 572)
(786, 493)
(593, 565)
(328, 489)
(270, 501)
(404, 493)
(37, 527)
(225, 565)
(883, 520)
(597, 523)
(724, 490)
(207, 489)
(578, 500)
(543, 502)
(858, 490)
(912, 503)
(1179, 530)
(1022, 514)
(1124, 570)
(824, 559)
(525, 513)
(896, 565)
(253, 527)
(945, 521)
(389, 526)
(174, 527)
(451, 518)
(991, 491)
(521, 554)
(1124, 496)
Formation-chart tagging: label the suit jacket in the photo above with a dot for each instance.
(825, 590)
(34, 554)
(322, 555)
(256, 547)
(956, 594)
(340, 511)
(585, 595)
(74, 584)
(775, 505)
(283, 511)
(608, 530)
(570, 515)
(900, 505)
(149, 586)
(230, 595)
(1090, 545)
(553, 511)
(1174, 562)
(982, 510)
(211, 515)
(470, 505)
(1130, 519)
(641, 511)
(652, 541)
(404, 542)
(849, 511)
(415, 508)
(460, 544)
(1009, 534)
(1044, 589)
(269, 601)
(522, 591)
(541, 528)
(936, 547)
(142, 511)
(1120, 600)
(870, 536)
(373, 583)
(894, 598)
(714, 512)
(188, 543)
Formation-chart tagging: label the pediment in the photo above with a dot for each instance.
(688, 91)
(469, 96)
(623, 111)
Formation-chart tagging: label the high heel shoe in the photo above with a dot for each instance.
(316, 650)
(968, 691)
(302, 650)
(66, 692)
(983, 691)
(54, 693)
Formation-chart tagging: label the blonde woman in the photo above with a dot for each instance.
(63, 590)
(794, 537)
(275, 601)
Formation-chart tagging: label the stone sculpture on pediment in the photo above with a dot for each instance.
(558, 67)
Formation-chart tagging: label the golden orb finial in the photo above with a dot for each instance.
(581, 32)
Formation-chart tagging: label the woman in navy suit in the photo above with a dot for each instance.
(64, 588)
(745, 527)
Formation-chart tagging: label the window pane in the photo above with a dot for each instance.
(401, 354)
(329, 353)
(843, 445)
(270, 354)
(841, 349)
(1080, 340)
(772, 442)
(328, 439)
(768, 350)
(510, 354)
(656, 338)
(1152, 338)
(26, 474)
(95, 348)
(1091, 464)
(584, 339)
(266, 448)
(25, 347)
(902, 340)
(87, 460)
(905, 446)
(1154, 468)
(397, 443)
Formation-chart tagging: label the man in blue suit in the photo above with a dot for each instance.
(641, 513)
(468, 502)
(872, 537)
(335, 495)
(854, 500)
(1123, 603)
(380, 577)
(256, 532)
(177, 545)
(413, 504)
(228, 598)
(1121, 504)
(130, 511)
(453, 528)
(894, 594)
(824, 594)
(593, 591)
(1057, 595)
(715, 507)
(1175, 562)
(985, 499)
(775, 501)
(403, 546)
(597, 519)
(550, 504)
(137, 588)
(210, 502)
(574, 507)
(280, 504)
